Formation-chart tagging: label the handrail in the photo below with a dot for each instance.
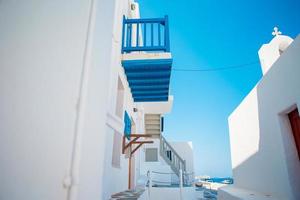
(171, 157)
(145, 35)
(171, 148)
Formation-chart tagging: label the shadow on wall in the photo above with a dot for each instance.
(275, 168)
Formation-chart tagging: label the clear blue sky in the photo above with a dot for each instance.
(212, 34)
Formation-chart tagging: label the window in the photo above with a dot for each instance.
(116, 152)
(295, 124)
(120, 99)
(151, 155)
(169, 154)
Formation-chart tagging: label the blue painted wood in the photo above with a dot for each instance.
(145, 35)
(136, 95)
(152, 35)
(147, 64)
(127, 37)
(148, 75)
(158, 32)
(128, 49)
(142, 92)
(137, 34)
(148, 79)
(167, 39)
(130, 35)
(155, 36)
(145, 20)
(152, 99)
(149, 82)
(123, 33)
(127, 127)
(149, 87)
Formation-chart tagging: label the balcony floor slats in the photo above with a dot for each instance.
(148, 79)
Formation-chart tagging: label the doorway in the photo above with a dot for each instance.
(295, 125)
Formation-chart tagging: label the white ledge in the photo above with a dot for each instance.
(146, 56)
(114, 122)
(161, 107)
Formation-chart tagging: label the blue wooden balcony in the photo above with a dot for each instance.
(146, 58)
(145, 35)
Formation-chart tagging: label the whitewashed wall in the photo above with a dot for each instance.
(93, 149)
(185, 150)
(264, 156)
(159, 166)
(41, 52)
(115, 179)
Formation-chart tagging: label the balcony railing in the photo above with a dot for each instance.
(145, 35)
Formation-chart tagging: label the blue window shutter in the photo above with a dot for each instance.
(127, 128)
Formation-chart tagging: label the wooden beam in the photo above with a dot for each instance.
(123, 145)
(136, 148)
(129, 172)
(130, 143)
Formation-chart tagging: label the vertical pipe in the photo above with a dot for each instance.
(72, 193)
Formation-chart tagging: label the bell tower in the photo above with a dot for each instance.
(270, 52)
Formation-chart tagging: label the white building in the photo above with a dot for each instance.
(69, 71)
(265, 128)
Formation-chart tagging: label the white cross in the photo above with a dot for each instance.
(276, 31)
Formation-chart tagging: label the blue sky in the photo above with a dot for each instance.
(207, 34)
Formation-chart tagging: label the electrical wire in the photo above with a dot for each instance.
(215, 69)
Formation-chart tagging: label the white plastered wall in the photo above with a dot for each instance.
(42, 50)
(115, 179)
(42, 45)
(185, 151)
(159, 166)
(264, 156)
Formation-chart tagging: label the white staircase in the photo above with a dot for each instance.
(171, 157)
(167, 152)
(153, 124)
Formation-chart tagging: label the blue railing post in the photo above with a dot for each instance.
(145, 38)
(123, 34)
(156, 43)
(158, 32)
(152, 35)
(129, 35)
(167, 38)
(137, 34)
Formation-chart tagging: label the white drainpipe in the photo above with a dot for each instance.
(72, 180)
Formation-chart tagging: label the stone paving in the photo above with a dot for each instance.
(128, 195)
